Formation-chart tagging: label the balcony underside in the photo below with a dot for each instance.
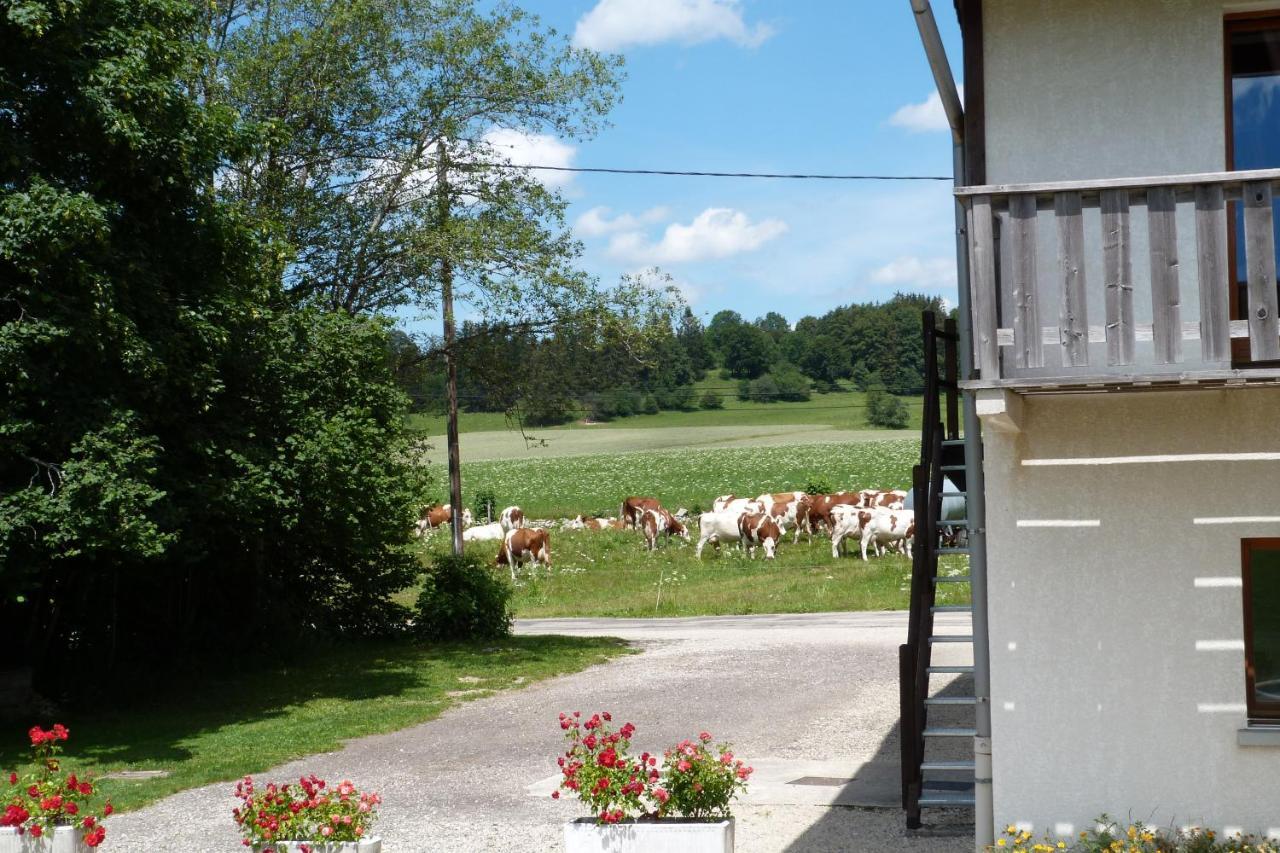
(1129, 382)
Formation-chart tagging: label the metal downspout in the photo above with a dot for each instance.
(976, 510)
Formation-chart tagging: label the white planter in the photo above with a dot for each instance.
(65, 839)
(649, 836)
(367, 845)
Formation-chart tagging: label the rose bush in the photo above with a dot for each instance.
(309, 811)
(45, 798)
(697, 780)
(700, 779)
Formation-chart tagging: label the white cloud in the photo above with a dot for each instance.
(929, 274)
(596, 222)
(534, 149)
(654, 278)
(615, 24)
(924, 117)
(717, 232)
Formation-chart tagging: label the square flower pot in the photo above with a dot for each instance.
(65, 839)
(366, 845)
(649, 836)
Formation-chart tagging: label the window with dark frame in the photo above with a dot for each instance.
(1261, 575)
(1252, 130)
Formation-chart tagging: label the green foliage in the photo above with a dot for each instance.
(711, 400)
(747, 351)
(818, 486)
(182, 457)
(1109, 836)
(649, 405)
(681, 398)
(762, 389)
(485, 505)
(886, 410)
(463, 598)
(793, 387)
(701, 779)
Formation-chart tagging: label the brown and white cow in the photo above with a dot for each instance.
(758, 530)
(633, 508)
(848, 522)
(882, 498)
(525, 543)
(656, 522)
(437, 515)
(511, 518)
(887, 527)
(821, 505)
(788, 509)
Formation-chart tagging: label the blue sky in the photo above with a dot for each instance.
(828, 86)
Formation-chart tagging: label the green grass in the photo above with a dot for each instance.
(610, 574)
(218, 729)
(842, 411)
(691, 477)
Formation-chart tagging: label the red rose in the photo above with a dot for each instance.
(36, 831)
(33, 792)
(705, 737)
(13, 778)
(555, 795)
(37, 735)
(86, 788)
(107, 809)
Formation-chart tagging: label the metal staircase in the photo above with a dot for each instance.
(937, 763)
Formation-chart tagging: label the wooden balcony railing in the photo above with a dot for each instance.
(1078, 249)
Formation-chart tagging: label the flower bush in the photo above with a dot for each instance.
(697, 780)
(1109, 836)
(46, 798)
(702, 780)
(309, 811)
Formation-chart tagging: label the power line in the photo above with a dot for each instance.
(701, 174)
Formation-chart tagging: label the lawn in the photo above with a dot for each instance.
(564, 486)
(610, 574)
(840, 412)
(218, 729)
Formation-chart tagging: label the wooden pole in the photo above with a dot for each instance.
(443, 207)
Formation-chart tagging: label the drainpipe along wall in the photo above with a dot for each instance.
(984, 812)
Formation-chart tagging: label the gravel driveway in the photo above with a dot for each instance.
(809, 697)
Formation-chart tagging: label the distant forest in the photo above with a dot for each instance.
(554, 377)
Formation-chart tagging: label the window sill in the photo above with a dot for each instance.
(1259, 735)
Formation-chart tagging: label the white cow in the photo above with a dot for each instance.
(717, 527)
(888, 526)
(484, 533)
(847, 523)
(512, 517)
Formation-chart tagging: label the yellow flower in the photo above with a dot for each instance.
(1010, 829)
(1000, 842)
(1133, 832)
(1062, 845)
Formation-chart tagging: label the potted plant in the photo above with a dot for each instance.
(46, 810)
(309, 817)
(639, 808)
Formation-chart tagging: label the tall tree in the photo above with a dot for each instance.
(693, 338)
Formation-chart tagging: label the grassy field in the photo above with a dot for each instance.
(691, 477)
(219, 729)
(843, 411)
(610, 574)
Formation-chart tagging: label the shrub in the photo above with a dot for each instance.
(744, 390)
(701, 780)
(549, 409)
(680, 397)
(825, 386)
(462, 598)
(818, 486)
(886, 410)
(724, 374)
(711, 400)
(791, 383)
(309, 812)
(485, 505)
(764, 390)
(649, 405)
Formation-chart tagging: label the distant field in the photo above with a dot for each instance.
(610, 574)
(844, 410)
(689, 476)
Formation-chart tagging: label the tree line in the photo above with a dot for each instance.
(553, 376)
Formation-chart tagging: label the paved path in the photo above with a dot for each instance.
(810, 697)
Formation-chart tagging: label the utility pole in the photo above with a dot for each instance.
(443, 208)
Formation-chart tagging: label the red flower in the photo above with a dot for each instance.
(108, 809)
(555, 795)
(85, 788)
(705, 737)
(33, 792)
(13, 778)
(14, 815)
(59, 731)
(72, 808)
(36, 831)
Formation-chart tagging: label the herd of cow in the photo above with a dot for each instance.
(877, 519)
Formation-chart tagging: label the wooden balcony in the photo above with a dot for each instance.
(1120, 283)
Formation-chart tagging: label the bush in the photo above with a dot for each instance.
(744, 390)
(711, 400)
(485, 505)
(764, 390)
(649, 405)
(547, 409)
(462, 598)
(886, 410)
(818, 486)
(724, 374)
(825, 386)
(792, 385)
(680, 397)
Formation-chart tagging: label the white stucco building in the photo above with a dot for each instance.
(1118, 259)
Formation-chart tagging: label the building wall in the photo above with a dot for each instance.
(1117, 680)
(1080, 89)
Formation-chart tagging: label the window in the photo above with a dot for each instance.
(1253, 130)
(1261, 572)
